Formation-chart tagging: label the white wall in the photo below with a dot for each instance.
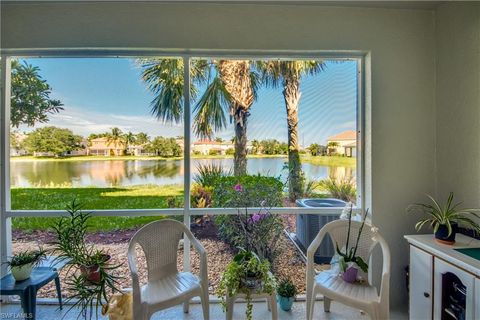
(401, 46)
(458, 101)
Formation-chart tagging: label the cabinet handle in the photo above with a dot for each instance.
(426, 294)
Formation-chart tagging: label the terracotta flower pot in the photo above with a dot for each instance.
(92, 273)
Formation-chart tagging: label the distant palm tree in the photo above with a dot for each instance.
(115, 137)
(129, 138)
(142, 138)
(289, 74)
(230, 87)
(332, 145)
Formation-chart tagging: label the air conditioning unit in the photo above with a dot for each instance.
(308, 226)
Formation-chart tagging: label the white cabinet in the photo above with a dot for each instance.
(477, 298)
(442, 268)
(421, 284)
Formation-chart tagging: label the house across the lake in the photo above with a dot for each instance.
(206, 147)
(344, 144)
(103, 147)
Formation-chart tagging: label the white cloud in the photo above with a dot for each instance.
(84, 122)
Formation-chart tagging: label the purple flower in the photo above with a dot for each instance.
(256, 217)
(238, 187)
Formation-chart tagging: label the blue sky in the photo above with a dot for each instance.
(100, 93)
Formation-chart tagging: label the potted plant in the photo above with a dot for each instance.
(445, 219)
(348, 260)
(286, 293)
(90, 272)
(246, 274)
(22, 263)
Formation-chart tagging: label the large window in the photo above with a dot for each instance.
(139, 139)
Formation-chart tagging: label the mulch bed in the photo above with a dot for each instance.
(287, 264)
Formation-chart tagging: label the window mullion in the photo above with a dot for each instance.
(5, 222)
(186, 158)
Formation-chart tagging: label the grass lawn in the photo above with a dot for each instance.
(138, 197)
(331, 161)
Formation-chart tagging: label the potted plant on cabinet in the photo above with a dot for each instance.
(90, 272)
(286, 293)
(445, 219)
(22, 263)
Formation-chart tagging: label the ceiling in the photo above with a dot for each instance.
(421, 5)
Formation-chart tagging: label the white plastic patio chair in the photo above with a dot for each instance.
(166, 286)
(333, 287)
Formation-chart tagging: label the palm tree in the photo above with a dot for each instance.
(129, 138)
(332, 145)
(142, 138)
(115, 137)
(289, 74)
(230, 87)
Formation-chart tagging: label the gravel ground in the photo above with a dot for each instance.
(288, 264)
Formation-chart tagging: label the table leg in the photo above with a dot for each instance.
(29, 302)
(59, 291)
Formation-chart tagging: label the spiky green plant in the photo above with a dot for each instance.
(343, 189)
(447, 214)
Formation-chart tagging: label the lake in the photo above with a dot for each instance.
(117, 173)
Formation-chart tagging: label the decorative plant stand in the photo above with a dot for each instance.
(271, 302)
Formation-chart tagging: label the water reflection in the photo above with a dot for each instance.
(105, 173)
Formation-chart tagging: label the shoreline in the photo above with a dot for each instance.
(329, 161)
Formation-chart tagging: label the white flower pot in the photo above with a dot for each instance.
(22, 272)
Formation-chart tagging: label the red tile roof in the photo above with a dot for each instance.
(346, 135)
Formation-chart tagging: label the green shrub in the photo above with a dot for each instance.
(200, 196)
(230, 151)
(340, 189)
(256, 189)
(250, 191)
(213, 152)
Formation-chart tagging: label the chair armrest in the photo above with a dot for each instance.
(202, 253)
(385, 285)
(132, 263)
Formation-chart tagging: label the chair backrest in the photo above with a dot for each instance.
(159, 242)
(338, 231)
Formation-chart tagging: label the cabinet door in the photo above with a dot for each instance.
(467, 280)
(421, 276)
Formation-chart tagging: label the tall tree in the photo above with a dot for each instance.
(30, 97)
(142, 138)
(130, 139)
(52, 139)
(230, 88)
(289, 74)
(115, 137)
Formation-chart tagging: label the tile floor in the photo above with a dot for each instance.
(260, 311)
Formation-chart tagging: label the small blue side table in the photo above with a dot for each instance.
(27, 289)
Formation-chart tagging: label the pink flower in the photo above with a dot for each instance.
(238, 187)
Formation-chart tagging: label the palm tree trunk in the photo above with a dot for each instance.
(235, 75)
(291, 94)
(240, 156)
